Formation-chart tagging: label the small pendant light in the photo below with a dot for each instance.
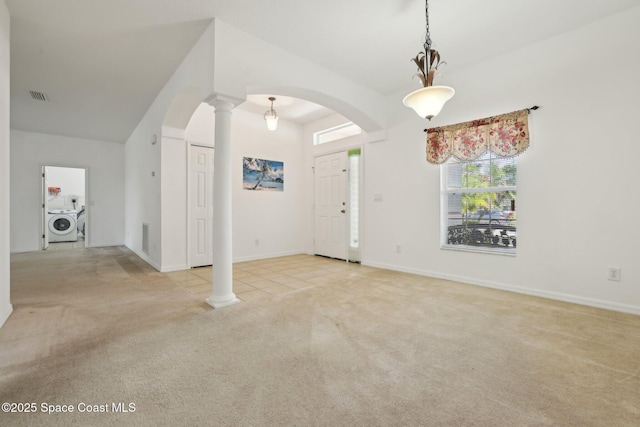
(271, 117)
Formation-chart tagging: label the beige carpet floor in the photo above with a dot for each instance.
(316, 342)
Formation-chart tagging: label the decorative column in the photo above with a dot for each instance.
(222, 293)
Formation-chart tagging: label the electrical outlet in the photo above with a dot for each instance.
(257, 242)
(398, 249)
(615, 274)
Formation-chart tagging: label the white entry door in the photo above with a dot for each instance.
(330, 205)
(201, 206)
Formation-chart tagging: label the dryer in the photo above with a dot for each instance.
(63, 225)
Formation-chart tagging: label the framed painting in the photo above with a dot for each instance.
(262, 175)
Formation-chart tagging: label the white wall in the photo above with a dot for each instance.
(146, 200)
(245, 64)
(142, 192)
(104, 163)
(174, 204)
(201, 127)
(575, 197)
(273, 218)
(5, 189)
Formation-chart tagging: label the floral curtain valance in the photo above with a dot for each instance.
(506, 135)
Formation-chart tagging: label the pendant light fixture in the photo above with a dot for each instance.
(429, 100)
(271, 117)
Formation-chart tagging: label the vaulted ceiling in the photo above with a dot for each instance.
(100, 63)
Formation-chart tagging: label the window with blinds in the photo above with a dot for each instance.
(479, 204)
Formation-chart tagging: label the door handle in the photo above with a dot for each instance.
(343, 211)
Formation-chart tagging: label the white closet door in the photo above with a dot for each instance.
(201, 209)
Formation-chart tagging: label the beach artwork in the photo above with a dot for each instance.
(262, 175)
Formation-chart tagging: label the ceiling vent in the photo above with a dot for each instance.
(38, 96)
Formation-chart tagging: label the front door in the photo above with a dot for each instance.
(330, 205)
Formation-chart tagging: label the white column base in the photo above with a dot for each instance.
(217, 302)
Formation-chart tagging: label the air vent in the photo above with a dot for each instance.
(38, 96)
(145, 238)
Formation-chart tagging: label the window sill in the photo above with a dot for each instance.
(481, 250)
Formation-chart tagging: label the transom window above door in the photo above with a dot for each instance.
(336, 133)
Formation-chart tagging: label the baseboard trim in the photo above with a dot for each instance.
(25, 250)
(168, 269)
(174, 268)
(145, 258)
(102, 245)
(5, 312)
(575, 299)
(266, 256)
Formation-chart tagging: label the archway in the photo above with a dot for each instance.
(175, 149)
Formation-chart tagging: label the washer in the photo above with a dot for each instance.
(63, 225)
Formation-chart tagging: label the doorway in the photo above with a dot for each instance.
(330, 202)
(337, 192)
(64, 213)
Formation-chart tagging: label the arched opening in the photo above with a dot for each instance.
(264, 225)
(352, 112)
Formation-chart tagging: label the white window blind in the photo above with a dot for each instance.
(479, 204)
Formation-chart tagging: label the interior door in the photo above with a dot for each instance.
(201, 206)
(45, 212)
(330, 205)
